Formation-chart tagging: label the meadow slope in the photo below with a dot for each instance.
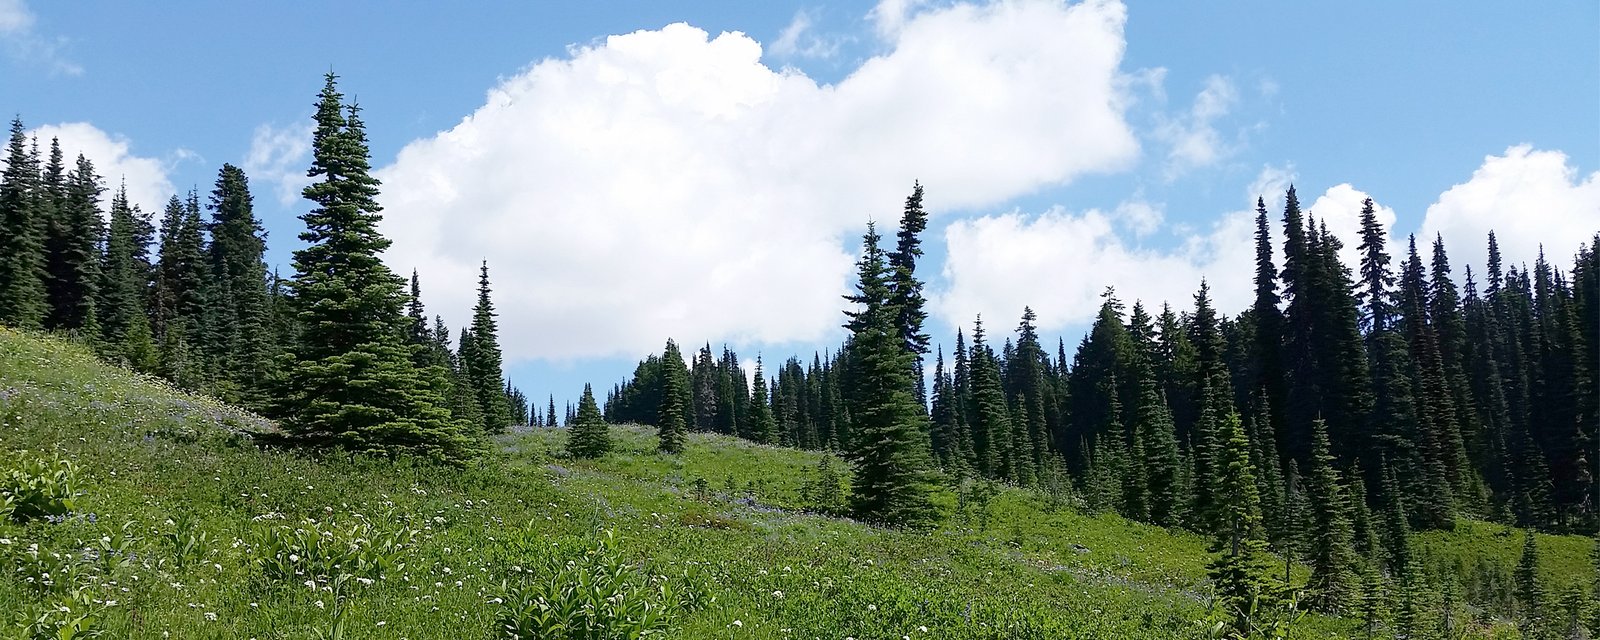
(183, 527)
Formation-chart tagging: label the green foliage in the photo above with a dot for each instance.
(38, 486)
(588, 436)
(673, 416)
(586, 595)
(350, 380)
(322, 550)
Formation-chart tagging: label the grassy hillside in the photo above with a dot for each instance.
(182, 526)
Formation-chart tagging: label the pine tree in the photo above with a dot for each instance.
(1155, 434)
(905, 290)
(763, 427)
(72, 253)
(991, 416)
(1530, 591)
(589, 436)
(22, 294)
(485, 367)
(1332, 587)
(125, 330)
(1240, 572)
(1438, 436)
(890, 482)
(350, 381)
(1267, 351)
(672, 417)
(238, 249)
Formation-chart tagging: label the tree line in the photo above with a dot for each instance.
(340, 352)
(1340, 412)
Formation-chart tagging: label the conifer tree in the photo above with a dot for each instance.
(72, 253)
(1332, 586)
(589, 436)
(1240, 572)
(673, 416)
(1269, 326)
(991, 416)
(485, 367)
(1530, 592)
(238, 248)
(1160, 462)
(905, 290)
(22, 294)
(125, 330)
(890, 481)
(763, 427)
(350, 381)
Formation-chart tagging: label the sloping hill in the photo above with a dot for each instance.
(182, 527)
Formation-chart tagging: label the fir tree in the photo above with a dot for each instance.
(673, 414)
(238, 248)
(72, 253)
(589, 436)
(22, 294)
(991, 416)
(1155, 434)
(905, 290)
(1530, 591)
(485, 367)
(890, 482)
(350, 380)
(125, 329)
(1239, 573)
(1332, 587)
(763, 427)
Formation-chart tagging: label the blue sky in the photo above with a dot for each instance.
(679, 181)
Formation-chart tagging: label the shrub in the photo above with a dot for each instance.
(593, 596)
(328, 549)
(38, 488)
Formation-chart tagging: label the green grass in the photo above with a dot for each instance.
(176, 480)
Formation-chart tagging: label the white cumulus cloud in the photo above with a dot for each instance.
(1193, 136)
(1059, 262)
(667, 182)
(799, 40)
(1340, 209)
(277, 158)
(1527, 197)
(112, 154)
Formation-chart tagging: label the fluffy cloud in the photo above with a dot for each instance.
(1340, 209)
(1527, 197)
(113, 158)
(1193, 135)
(668, 183)
(278, 157)
(23, 44)
(1059, 263)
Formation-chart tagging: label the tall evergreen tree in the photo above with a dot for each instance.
(486, 372)
(1240, 573)
(672, 421)
(1530, 590)
(905, 290)
(238, 249)
(763, 427)
(888, 456)
(589, 436)
(350, 381)
(1333, 584)
(22, 294)
(125, 329)
(72, 252)
(991, 416)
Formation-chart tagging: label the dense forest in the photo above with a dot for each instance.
(1346, 408)
(338, 351)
